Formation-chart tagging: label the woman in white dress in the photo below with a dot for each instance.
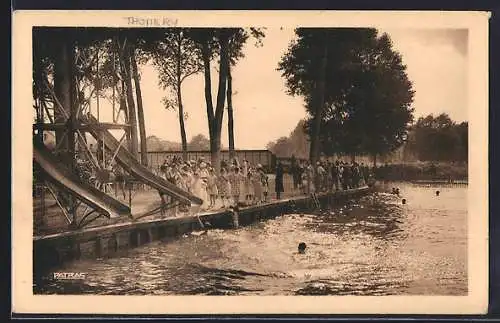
(203, 171)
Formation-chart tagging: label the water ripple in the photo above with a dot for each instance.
(373, 245)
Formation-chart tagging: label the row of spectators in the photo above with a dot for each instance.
(327, 176)
(237, 183)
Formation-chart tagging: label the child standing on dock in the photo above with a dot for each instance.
(235, 178)
(310, 179)
(184, 178)
(200, 188)
(224, 187)
(319, 182)
(257, 184)
(305, 183)
(250, 186)
(212, 187)
(264, 180)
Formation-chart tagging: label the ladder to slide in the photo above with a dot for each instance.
(315, 199)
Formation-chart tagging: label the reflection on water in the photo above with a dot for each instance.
(371, 246)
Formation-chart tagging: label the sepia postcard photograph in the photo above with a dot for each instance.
(231, 162)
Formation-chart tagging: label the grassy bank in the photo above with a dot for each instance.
(422, 171)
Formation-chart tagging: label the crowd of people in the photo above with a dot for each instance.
(237, 182)
(244, 183)
(329, 176)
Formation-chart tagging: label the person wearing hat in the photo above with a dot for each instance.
(224, 187)
(182, 178)
(235, 179)
(257, 184)
(320, 174)
(199, 188)
(189, 179)
(212, 187)
(264, 180)
(249, 186)
(310, 179)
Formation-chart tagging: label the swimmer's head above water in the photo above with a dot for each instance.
(302, 247)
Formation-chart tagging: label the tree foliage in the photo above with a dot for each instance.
(368, 96)
(438, 138)
(176, 57)
(104, 64)
(296, 144)
(199, 142)
(220, 43)
(237, 39)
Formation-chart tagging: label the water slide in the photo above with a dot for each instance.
(63, 178)
(128, 162)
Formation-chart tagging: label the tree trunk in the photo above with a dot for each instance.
(319, 102)
(132, 117)
(208, 86)
(215, 119)
(179, 101)
(230, 120)
(182, 124)
(215, 151)
(124, 108)
(221, 98)
(140, 109)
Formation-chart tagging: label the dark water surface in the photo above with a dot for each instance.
(371, 246)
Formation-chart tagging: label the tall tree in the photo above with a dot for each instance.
(140, 109)
(438, 138)
(319, 103)
(387, 111)
(367, 97)
(230, 117)
(211, 41)
(126, 74)
(236, 41)
(176, 58)
(318, 58)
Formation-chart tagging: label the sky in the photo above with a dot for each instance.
(436, 61)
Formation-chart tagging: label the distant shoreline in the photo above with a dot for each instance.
(429, 173)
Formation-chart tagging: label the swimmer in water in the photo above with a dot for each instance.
(302, 247)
